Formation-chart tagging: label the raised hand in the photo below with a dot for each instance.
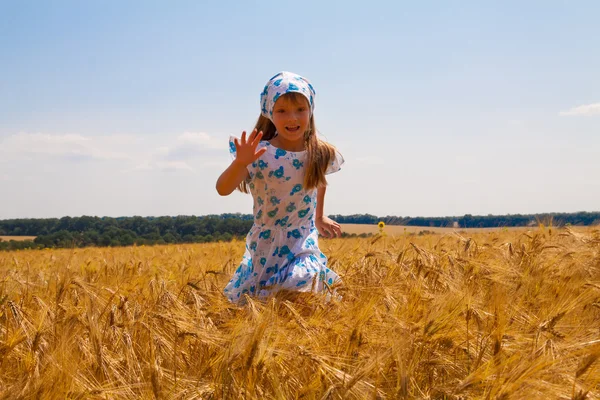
(246, 149)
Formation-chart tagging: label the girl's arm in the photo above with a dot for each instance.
(245, 154)
(325, 225)
(231, 178)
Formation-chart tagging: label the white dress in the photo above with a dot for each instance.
(282, 251)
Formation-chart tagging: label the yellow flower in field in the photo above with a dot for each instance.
(381, 225)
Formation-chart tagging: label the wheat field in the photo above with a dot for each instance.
(393, 230)
(18, 238)
(494, 315)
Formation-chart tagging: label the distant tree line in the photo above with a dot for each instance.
(477, 221)
(94, 231)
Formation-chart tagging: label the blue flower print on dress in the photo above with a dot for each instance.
(262, 164)
(274, 269)
(280, 153)
(297, 187)
(284, 251)
(295, 234)
(232, 147)
(283, 221)
(278, 173)
(285, 242)
(302, 213)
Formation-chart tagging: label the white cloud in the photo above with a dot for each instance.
(201, 139)
(173, 165)
(69, 145)
(193, 146)
(585, 110)
(133, 152)
(163, 166)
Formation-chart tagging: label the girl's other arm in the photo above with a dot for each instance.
(325, 225)
(245, 154)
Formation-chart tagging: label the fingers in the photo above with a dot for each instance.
(256, 138)
(253, 139)
(337, 230)
(259, 153)
(331, 230)
(252, 136)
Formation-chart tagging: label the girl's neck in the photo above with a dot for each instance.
(287, 145)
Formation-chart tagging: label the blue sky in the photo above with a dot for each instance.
(124, 108)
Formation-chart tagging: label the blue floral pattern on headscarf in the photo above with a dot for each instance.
(282, 83)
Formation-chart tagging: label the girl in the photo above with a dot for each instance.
(283, 165)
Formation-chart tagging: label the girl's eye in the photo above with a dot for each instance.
(302, 109)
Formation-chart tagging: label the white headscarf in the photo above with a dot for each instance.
(282, 83)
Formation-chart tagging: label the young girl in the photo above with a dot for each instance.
(283, 165)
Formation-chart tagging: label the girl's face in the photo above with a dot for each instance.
(291, 117)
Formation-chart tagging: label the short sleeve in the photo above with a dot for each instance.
(336, 164)
(232, 147)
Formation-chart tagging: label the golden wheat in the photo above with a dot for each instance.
(493, 315)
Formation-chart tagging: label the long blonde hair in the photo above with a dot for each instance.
(320, 154)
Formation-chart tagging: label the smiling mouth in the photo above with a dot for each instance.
(292, 128)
